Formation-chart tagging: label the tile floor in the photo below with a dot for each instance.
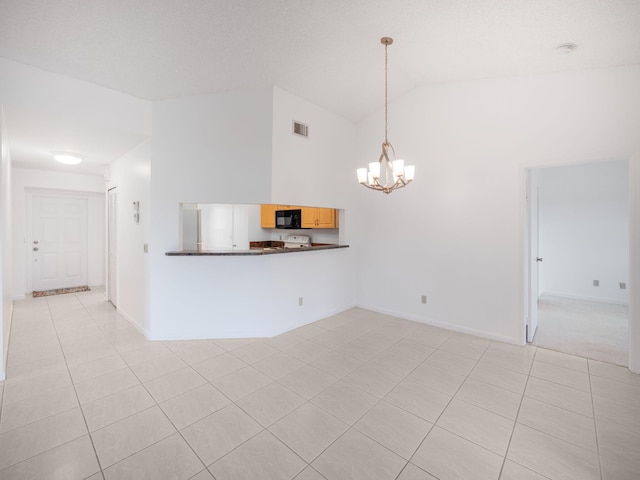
(356, 396)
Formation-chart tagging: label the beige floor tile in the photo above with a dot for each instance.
(308, 430)
(307, 381)
(203, 475)
(344, 401)
(309, 474)
(477, 425)
(130, 435)
(96, 368)
(452, 362)
(560, 359)
(25, 387)
(613, 372)
(262, 457)
(619, 442)
(552, 457)
(561, 375)
(411, 349)
(195, 351)
(37, 407)
(336, 364)
(398, 430)
(513, 471)
(169, 459)
(394, 363)
(411, 472)
(331, 340)
(622, 414)
(492, 398)
(466, 346)
(418, 399)
(74, 460)
(430, 336)
(307, 351)
(442, 454)
(231, 344)
(157, 367)
(219, 366)
(618, 467)
(517, 362)
(309, 331)
(619, 391)
(241, 383)
(149, 351)
(380, 340)
(437, 378)
(568, 398)
(35, 438)
(270, 403)
(191, 406)
(356, 457)
(255, 351)
(105, 385)
(219, 433)
(373, 380)
(173, 384)
(278, 365)
(558, 422)
(284, 341)
(40, 366)
(112, 408)
(500, 377)
(358, 350)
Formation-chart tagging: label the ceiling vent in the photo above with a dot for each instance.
(300, 129)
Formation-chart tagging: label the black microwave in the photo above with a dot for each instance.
(288, 218)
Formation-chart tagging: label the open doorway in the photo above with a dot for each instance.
(578, 252)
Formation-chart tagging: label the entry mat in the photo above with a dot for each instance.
(60, 291)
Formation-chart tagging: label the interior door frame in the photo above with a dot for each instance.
(108, 293)
(524, 226)
(44, 192)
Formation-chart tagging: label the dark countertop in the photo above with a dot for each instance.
(252, 251)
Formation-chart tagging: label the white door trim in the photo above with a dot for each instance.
(634, 254)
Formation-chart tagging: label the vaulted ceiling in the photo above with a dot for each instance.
(326, 51)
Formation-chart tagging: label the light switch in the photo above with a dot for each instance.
(146, 248)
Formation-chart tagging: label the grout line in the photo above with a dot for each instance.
(595, 424)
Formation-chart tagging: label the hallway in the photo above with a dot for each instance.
(359, 395)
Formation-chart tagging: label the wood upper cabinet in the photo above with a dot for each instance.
(313, 217)
(268, 215)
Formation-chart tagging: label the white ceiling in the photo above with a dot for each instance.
(326, 51)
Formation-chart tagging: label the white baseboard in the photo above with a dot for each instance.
(447, 326)
(585, 297)
(133, 322)
(19, 297)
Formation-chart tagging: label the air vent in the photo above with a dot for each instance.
(300, 129)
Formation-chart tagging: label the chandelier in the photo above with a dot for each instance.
(393, 173)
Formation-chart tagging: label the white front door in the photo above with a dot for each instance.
(59, 242)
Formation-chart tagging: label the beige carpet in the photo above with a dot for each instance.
(579, 327)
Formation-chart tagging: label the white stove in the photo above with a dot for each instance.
(297, 241)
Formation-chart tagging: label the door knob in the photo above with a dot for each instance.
(35, 249)
(538, 259)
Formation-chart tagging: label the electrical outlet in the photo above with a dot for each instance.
(623, 285)
(300, 301)
(596, 283)
(146, 248)
(424, 299)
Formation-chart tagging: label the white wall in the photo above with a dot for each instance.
(207, 149)
(82, 186)
(455, 234)
(584, 231)
(131, 175)
(6, 250)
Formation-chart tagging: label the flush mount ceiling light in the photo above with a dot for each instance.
(393, 173)
(67, 158)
